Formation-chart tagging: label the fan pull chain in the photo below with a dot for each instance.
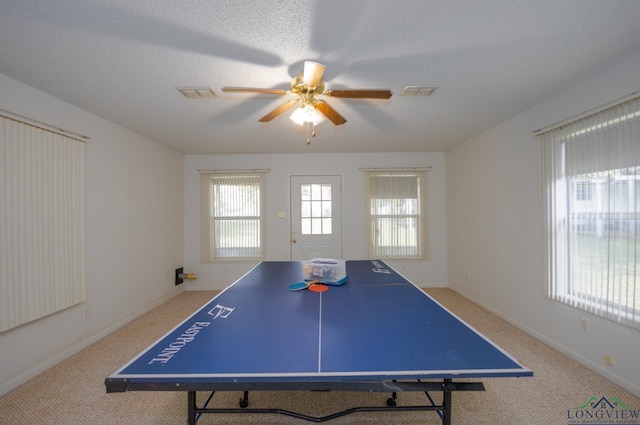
(311, 132)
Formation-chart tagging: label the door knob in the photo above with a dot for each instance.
(293, 241)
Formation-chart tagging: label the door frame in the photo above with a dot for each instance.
(336, 209)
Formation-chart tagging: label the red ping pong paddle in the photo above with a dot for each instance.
(317, 287)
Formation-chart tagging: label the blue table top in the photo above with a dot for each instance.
(377, 326)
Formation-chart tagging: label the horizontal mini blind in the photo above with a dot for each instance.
(592, 209)
(42, 258)
(232, 216)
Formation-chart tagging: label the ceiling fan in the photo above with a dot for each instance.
(307, 86)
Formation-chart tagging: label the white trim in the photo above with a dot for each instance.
(320, 334)
(388, 374)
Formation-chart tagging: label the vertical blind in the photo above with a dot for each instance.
(396, 213)
(42, 259)
(232, 217)
(592, 210)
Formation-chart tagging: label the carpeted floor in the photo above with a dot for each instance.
(73, 391)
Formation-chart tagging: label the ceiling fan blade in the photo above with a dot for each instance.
(253, 90)
(280, 109)
(329, 112)
(312, 73)
(360, 94)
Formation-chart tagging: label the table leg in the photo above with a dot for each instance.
(446, 405)
(191, 408)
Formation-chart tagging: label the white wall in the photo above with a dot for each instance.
(134, 235)
(432, 272)
(495, 235)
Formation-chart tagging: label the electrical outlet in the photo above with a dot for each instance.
(85, 311)
(585, 324)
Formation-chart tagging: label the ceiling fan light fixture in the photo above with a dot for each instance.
(306, 89)
(307, 113)
(313, 72)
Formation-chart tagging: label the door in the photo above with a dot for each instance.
(316, 221)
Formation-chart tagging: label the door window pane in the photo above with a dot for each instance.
(305, 226)
(326, 192)
(316, 209)
(326, 225)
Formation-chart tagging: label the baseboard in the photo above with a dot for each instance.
(618, 380)
(57, 357)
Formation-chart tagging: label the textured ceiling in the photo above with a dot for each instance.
(122, 60)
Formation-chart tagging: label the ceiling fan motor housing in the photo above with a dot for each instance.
(306, 93)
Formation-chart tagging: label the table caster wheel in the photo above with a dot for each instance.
(391, 402)
(243, 403)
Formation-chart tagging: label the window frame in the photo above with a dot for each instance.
(583, 162)
(419, 214)
(214, 215)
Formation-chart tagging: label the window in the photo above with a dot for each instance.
(316, 209)
(232, 210)
(592, 211)
(396, 214)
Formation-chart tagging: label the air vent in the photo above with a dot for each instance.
(417, 91)
(197, 92)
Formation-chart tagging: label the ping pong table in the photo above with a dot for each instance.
(376, 333)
